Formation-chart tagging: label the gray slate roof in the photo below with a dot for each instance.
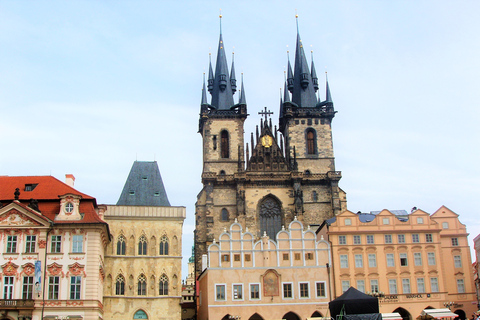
(144, 186)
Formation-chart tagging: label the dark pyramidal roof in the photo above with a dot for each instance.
(144, 186)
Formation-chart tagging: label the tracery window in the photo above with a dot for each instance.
(224, 144)
(142, 246)
(311, 141)
(163, 285)
(121, 246)
(164, 246)
(120, 286)
(142, 285)
(270, 217)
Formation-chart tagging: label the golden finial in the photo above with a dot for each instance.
(296, 15)
(220, 16)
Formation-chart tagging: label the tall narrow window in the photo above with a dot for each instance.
(27, 288)
(311, 141)
(392, 286)
(420, 285)
(11, 244)
(56, 246)
(254, 291)
(164, 246)
(142, 246)
(374, 285)
(406, 285)
(287, 290)
(163, 285)
(270, 217)
(77, 243)
(8, 287)
(361, 285)
(121, 246)
(53, 287)
(225, 144)
(30, 244)
(224, 214)
(75, 287)
(120, 286)
(142, 285)
(304, 291)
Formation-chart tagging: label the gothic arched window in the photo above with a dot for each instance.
(121, 246)
(270, 213)
(224, 144)
(163, 285)
(142, 246)
(224, 216)
(164, 246)
(120, 286)
(142, 285)
(311, 141)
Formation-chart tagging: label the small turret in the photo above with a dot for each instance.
(233, 80)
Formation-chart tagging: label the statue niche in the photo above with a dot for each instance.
(270, 217)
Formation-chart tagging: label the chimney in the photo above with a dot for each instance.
(69, 180)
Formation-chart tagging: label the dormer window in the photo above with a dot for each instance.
(69, 207)
(30, 187)
(132, 193)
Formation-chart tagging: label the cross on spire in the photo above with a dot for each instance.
(265, 113)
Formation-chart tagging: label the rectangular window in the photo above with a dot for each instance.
(392, 286)
(8, 287)
(77, 243)
(403, 259)
(372, 260)
(304, 292)
(343, 261)
(420, 285)
(238, 292)
(415, 238)
(388, 238)
(308, 256)
(53, 287)
(357, 239)
(401, 238)
(457, 261)
(434, 284)
(220, 292)
(374, 285)
(247, 257)
(406, 285)
(370, 239)
(345, 285)
(358, 261)
(420, 220)
(56, 246)
(455, 242)
(431, 258)
(30, 244)
(386, 221)
(417, 258)
(460, 286)
(428, 237)
(297, 256)
(75, 287)
(348, 222)
(236, 257)
(390, 260)
(342, 240)
(225, 257)
(321, 293)
(361, 285)
(27, 288)
(11, 244)
(254, 291)
(286, 256)
(287, 291)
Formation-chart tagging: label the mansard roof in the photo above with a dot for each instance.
(144, 186)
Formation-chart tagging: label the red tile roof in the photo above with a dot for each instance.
(47, 192)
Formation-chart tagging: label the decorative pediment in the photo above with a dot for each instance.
(10, 269)
(55, 269)
(15, 215)
(28, 269)
(76, 269)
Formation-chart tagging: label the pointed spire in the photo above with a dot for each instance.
(329, 96)
(233, 80)
(210, 74)
(204, 92)
(314, 75)
(242, 94)
(290, 74)
(280, 113)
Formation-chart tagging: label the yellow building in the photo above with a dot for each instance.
(412, 261)
(143, 262)
(265, 279)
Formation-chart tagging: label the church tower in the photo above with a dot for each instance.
(280, 174)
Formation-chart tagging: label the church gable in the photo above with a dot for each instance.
(18, 216)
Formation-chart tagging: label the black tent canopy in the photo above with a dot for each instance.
(353, 301)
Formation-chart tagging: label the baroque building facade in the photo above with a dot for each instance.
(413, 261)
(52, 244)
(287, 278)
(143, 261)
(281, 173)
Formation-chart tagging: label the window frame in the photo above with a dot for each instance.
(12, 241)
(301, 290)
(358, 260)
(30, 243)
(342, 240)
(120, 285)
(374, 286)
(457, 261)
(361, 288)
(434, 285)
(372, 260)
(417, 259)
(53, 287)
(163, 285)
(345, 285)
(392, 286)
(320, 283)
(420, 285)
(401, 238)
(77, 245)
(289, 289)
(390, 257)
(454, 242)
(357, 239)
(403, 259)
(432, 260)
(75, 287)
(406, 288)
(460, 285)
(428, 237)
(142, 246)
(239, 292)
(142, 285)
(56, 244)
(27, 288)
(8, 287)
(415, 238)
(343, 261)
(121, 245)
(221, 285)
(388, 239)
(370, 239)
(257, 285)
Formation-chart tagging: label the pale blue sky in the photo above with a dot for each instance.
(87, 87)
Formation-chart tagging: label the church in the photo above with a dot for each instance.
(279, 174)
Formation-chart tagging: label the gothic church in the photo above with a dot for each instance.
(281, 173)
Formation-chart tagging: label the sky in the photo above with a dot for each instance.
(88, 87)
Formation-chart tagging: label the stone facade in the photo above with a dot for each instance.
(415, 261)
(137, 276)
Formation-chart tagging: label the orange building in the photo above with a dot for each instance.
(412, 261)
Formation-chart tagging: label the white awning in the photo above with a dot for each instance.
(392, 316)
(439, 313)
